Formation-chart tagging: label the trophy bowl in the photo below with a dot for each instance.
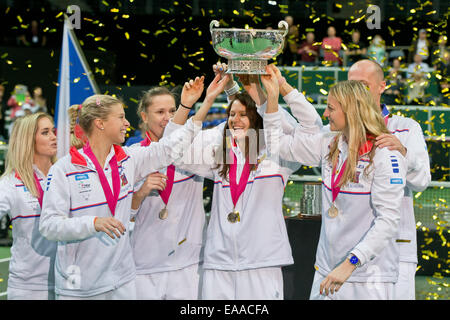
(247, 50)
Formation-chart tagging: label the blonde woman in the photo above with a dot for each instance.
(32, 151)
(357, 257)
(77, 136)
(94, 258)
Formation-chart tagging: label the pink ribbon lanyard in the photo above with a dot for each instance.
(164, 194)
(237, 189)
(111, 198)
(39, 188)
(334, 182)
(365, 148)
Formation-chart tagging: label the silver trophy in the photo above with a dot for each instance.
(247, 50)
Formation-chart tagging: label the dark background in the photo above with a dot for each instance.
(169, 41)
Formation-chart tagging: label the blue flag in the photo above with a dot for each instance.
(75, 83)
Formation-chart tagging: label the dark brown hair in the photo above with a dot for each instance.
(256, 123)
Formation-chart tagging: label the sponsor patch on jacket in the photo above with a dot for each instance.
(396, 181)
(123, 177)
(83, 176)
(394, 163)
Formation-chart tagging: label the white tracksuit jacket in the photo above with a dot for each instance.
(418, 176)
(32, 256)
(88, 262)
(260, 238)
(176, 241)
(369, 217)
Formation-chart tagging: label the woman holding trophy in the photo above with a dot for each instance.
(246, 241)
(362, 190)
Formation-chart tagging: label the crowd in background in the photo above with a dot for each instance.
(20, 102)
(408, 71)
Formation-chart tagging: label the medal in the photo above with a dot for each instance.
(164, 213)
(164, 194)
(333, 211)
(236, 188)
(233, 216)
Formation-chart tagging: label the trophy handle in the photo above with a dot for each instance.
(281, 24)
(213, 24)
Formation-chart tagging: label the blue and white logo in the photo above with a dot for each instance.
(396, 181)
(79, 177)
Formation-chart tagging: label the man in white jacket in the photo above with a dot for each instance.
(407, 138)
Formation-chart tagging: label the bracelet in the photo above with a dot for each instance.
(185, 106)
(281, 81)
(233, 90)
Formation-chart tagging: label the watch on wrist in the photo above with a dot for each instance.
(354, 260)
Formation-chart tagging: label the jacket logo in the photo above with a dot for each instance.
(123, 177)
(396, 181)
(394, 163)
(79, 177)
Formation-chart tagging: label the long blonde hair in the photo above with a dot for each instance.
(22, 143)
(364, 122)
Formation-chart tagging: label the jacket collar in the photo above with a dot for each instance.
(79, 159)
(364, 149)
(35, 169)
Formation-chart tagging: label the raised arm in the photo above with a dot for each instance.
(301, 108)
(299, 146)
(232, 87)
(252, 85)
(192, 90)
(215, 88)
(184, 138)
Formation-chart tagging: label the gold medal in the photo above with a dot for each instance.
(333, 211)
(233, 217)
(163, 214)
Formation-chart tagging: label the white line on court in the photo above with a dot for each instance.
(5, 259)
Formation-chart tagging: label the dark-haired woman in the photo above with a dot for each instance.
(246, 242)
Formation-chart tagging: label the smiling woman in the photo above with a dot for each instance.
(88, 212)
(32, 152)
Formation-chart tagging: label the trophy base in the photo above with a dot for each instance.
(236, 66)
